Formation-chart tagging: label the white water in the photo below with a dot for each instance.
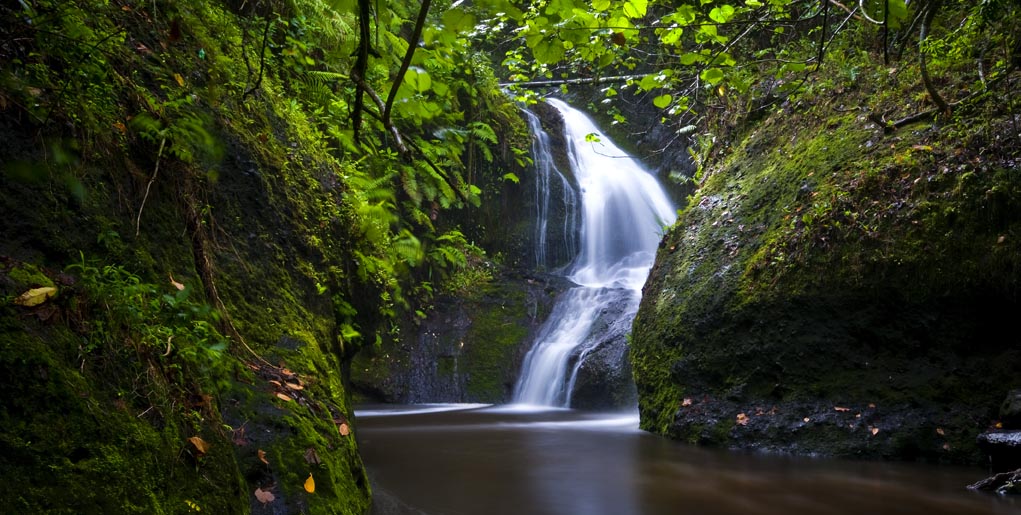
(623, 214)
(546, 175)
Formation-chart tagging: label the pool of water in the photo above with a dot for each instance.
(474, 459)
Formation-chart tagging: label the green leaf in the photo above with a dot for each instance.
(510, 176)
(600, 5)
(418, 79)
(636, 8)
(662, 101)
(712, 75)
(690, 58)
(458, 20)
(722, 14)
(672, 36)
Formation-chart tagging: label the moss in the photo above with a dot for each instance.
(495, 335)
(823, 259)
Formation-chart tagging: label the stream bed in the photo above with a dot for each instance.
(490, 460)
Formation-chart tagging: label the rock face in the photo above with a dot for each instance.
(467, 350)
(604, 379)
(1010, 410)
(820, 295)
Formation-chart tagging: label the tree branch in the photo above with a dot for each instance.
(408, 55)
(930, 13)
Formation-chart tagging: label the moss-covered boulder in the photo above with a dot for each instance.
(837, 289)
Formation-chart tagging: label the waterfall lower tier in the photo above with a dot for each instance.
(623, 212)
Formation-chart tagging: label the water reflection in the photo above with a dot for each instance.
(500, 460)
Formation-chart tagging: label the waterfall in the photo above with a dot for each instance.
(623, 213)
(548, 181)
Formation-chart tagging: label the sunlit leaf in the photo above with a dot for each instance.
(35, 296)
(284, 396)
(662, 101)
(200, 445)
(742, 419)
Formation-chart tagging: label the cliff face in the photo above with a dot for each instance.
(835, 289)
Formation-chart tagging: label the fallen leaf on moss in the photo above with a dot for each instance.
(262, 456)
(200, 445)
(264, 496)
(179, 79)
(310, 484)
(939, 431)
(841, 409)
(274, 382)
(742, 419)
(179, 286)
(294, 386)
(35, 296)
(686, 402)
(344, 429)
(312, 457)
(875, 431)
(285, 397)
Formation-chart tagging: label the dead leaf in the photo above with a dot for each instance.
(286, 372)
(806, 419)
(939, 431)
(274, 382)
(35, 296)
(742, 419)
(200, 445)
(344, 429)
(179, 79)
(841, 409)
(999, 425)
(179, 286)
(946, 447)
(874, 430)
(262, 456)
(238, 436)
(294, 386)
(121, 128)
(285, 397)
(686, 402)
(264, 496)
(1001, 239)
(310, 484)
(871, 405)
(312, 457)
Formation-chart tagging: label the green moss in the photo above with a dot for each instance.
(495, 335)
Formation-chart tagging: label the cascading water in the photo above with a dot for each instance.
(623, 212)
(548, 181)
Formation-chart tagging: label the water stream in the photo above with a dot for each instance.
(526, 459)
(623, 215)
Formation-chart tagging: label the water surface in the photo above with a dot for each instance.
(450, 459)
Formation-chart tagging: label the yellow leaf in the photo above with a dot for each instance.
(35, 296)
(179, 79)
(200, 444)
(264, 496)
(262, 456)
(310, 484)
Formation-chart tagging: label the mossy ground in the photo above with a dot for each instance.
(824, 262)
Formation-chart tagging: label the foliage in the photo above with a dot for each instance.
(121, 313)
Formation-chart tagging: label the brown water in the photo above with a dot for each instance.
(491, 461)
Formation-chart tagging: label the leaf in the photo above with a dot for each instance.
(722, 14)
(294, 386)
(686, 402)
(344, 429)
(35, 296)
(200, 445)
(712, 75)
(310, 484)
(600, 5)
(179, 286)
(312, 457)
(264, 496)
(841, 409)
(662, 101)
(874, 431)
(284, 396)
(179, 79)
(940, 431)
(742, 419)
(262, 456)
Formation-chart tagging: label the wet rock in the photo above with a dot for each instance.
(1003, 448)
(1004, 483)
(1010, 410)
